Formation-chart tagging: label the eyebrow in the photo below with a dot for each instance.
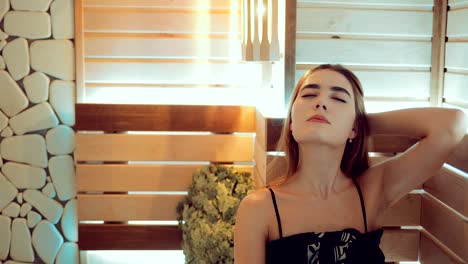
(333, 88)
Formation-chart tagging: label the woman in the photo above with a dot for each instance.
(328, 207)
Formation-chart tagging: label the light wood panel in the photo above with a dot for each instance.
(457, 55)
(290, 49)
(146, 20)
(446, 226)
(115, 117)
(433, 251)
(450, 187)
(190, 4)
(363, 52)
(356, 22)
(129, 237)
(121, 207)
(438, 52)
(79, 51)
(137, 177)
(402, 5)
(406, 212)
(124, 147)
(400, 245)
(381, 83)
(160, 46)
(175, 72)
(456, 23)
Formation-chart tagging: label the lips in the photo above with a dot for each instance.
(319, 118)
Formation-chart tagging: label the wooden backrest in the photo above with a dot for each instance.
(122, 176)
(429, 222)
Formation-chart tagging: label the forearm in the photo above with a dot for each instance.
(420, 123)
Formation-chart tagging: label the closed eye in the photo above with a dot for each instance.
(341, 100)
(313, 95)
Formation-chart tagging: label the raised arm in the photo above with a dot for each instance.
(250, 230)
(439, 130)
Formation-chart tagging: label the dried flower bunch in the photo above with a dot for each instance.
(207, 214)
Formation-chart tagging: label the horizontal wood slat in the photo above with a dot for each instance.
(433, 252)
(121, 207)
(391, 84)
(124, 147)
(137, 177)
(190, 4)
(356, 21)
(160, 71)
(397, 245)
(129, 237)
(122, 46)
(371, 52)
(442, 223)
(451, 188)
(113, 117)
(400, 245)
(153, 20)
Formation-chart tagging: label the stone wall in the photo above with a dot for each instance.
(38, 220)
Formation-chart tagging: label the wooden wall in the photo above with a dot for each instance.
(163, 52)
(386, 43)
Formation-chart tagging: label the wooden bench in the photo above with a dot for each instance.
(114, 163)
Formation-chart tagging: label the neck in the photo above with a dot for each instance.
(319, 170)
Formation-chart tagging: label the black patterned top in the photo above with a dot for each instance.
(347, 246)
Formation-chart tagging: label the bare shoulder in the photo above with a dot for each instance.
(258, 201)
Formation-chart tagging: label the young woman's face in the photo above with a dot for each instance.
(329, 94)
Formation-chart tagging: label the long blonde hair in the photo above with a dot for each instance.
(355, 158)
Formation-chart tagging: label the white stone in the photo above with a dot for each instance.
(5, 238)
(62, 99)
(68, 254)
(30, 25)
(2, 44)
(3, 121)
(25, 208)
(28, 5)
(54, 57)
(12, 210)
(30, 149)
(8, 192)
(70, 221)
(49, 179)
(38, 117)
(15, 262)
(49, 208)
(21, 248)
(49, 190)
(33, 219)
(36, 86)
(7, 132)
(4, 7)
(16, 56)
(24, 176)
(3, 35)
(62, 16)
(45, 231)
(13, 100)
(19, 198)
(62, 171)
(2, 62)
(60, 140)
(1, 161)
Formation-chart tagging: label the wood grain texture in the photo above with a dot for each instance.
(451, 188)
(187, 4)
(290, 49)
(433, 251)
(79, 51)
(129, 237)
(400, 245)
(439, 32)
(116, 117)
(442, 223)
(122, 207)
(131, 147)
(138, 177)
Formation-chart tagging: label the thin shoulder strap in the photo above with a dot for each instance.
(362, 202)
(277, 212)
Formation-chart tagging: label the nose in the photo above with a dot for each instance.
(323, 106)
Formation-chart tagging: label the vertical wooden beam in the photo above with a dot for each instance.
(289, 49)
(79, 51)
(439, 31)
(260, 153)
